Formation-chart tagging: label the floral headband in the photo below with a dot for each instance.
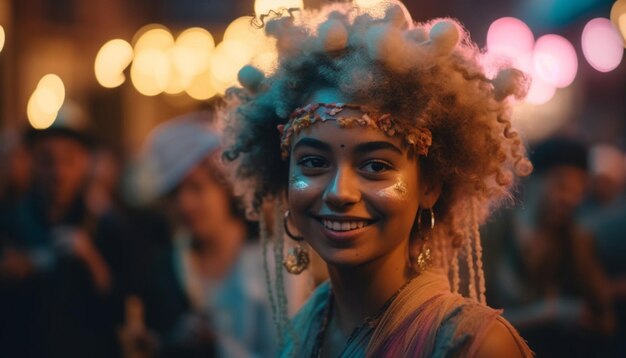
(419, 139)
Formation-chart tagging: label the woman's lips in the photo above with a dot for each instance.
(343, 229)
(347, 225)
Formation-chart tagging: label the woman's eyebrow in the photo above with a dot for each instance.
(366, 147)
(313, 143)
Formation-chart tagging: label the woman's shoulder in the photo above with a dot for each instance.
(502, 340)
(475, 329)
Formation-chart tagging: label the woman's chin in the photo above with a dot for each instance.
(348, 258)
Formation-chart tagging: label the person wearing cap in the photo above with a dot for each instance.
(56, 280)
(548, 278)
(204, 296)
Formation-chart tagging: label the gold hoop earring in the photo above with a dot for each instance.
(286, 226)
(424, 258)
(297, 259)
(419, 219)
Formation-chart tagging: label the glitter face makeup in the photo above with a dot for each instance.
(397, 191)
(298, 182)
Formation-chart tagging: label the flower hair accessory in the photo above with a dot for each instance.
(419, 139)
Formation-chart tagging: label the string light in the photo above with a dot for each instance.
(45, 102)
(111, 61)
(602, 45)
(555, 60)
(509, 37)
(2, 38)
(228, 58)
(192, 50)
(618, 18)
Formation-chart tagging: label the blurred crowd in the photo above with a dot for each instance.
(554, 261)
(153, 258)
(101, 256)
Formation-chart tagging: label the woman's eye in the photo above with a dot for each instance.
(313, 162)
(376, 167)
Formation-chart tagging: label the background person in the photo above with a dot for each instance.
(548, 276)
(203, 295)
(57, 284)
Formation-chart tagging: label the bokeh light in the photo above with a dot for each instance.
(192, 50)
(200, 87)
(153, 36)
(45, 102)
(37, 118)
(162, 64)
(261, 48)
(150, 71)
(509, 37)
(220, 87)
(555, 60)
(263, 7)
(540, 92)
(241, 30)
(51, 92)
(551, 61)
(539, 122)
(602, 45)
(177, 81)
(2, 38)
(228, 58)
(618, 17)
(111, 61)
(266, 61)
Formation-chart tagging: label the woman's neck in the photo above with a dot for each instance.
(219, 249)
(359, 292)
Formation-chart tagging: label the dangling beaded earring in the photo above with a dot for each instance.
(297, 259)
(424, 259)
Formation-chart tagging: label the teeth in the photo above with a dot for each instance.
(343, 225)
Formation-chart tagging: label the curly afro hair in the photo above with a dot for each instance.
(425, 74)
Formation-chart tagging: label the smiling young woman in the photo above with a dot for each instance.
(383, 145)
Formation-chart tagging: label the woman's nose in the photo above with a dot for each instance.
(343, 189)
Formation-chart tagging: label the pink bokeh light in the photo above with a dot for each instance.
(602, 45)
(555, 61)
(540, 91)
(509, 37)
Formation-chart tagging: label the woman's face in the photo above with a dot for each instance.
(353, 192)
(202, 203)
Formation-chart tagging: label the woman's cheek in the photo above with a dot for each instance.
(302, 190)
(299, 183)
(397, 191)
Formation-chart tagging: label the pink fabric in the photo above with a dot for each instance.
(427, 320)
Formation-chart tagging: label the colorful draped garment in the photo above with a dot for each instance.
(425, 319)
